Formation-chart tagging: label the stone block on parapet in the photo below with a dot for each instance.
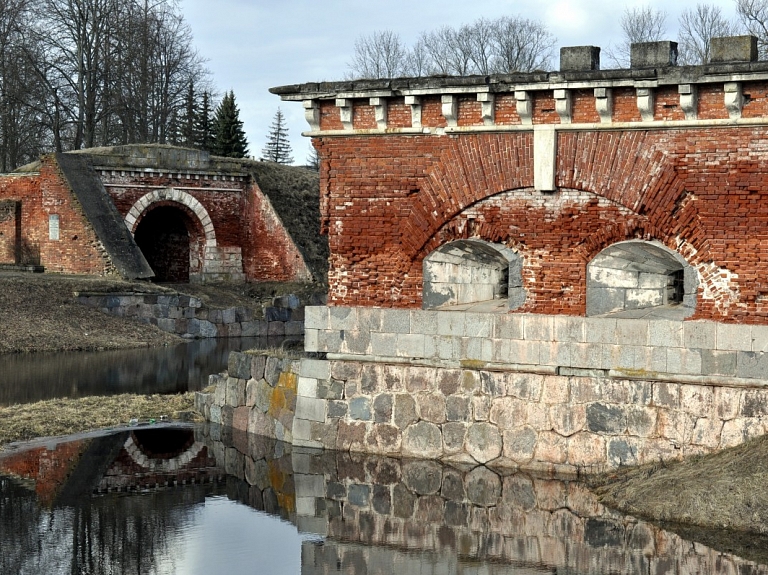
(699, 335)
(752, 365)
(759, 338)
(478, 324)
(316, 368)
(369, 319)
(384, 344)
(665, 333)
(579, 58)
(524, 352)
(450, 323)
(343, 318)
(734, 49)
(714, 362)
(632, 332)
(410, 345)
(395, 321)
(555, 353)
(538, 327)
(508, 326)
(329, 341)
(652, 54)
(600, 330)
(569, 329)
(356, 342)
(734, 337)
(310, 408)
(684, 361)
(476, 348)
(316, 317)
(424, 322)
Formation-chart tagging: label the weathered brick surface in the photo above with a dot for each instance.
(387, 202)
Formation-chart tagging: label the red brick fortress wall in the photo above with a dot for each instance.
(388, 200)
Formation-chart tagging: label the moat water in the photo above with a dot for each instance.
(186, 501)
(29, 377)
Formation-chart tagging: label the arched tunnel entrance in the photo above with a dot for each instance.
(164, 237)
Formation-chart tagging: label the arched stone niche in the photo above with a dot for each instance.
(640, 275)
(468, 271)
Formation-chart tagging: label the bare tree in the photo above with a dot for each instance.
(697, 28)
(642, 24)
(753, 15)
(484, 47)
(522, 45)
(380, 55)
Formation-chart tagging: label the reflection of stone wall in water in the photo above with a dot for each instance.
(452, 516)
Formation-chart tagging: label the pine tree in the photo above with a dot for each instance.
(230, 137)
(205, 129)
(278, 148)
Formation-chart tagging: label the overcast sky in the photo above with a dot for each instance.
(253, 45)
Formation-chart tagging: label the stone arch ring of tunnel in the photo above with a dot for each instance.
(636, 278)
(174, 232)
(469, 271)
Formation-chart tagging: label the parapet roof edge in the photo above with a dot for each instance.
(668, 75)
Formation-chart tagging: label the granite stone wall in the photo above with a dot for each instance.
(188, 317)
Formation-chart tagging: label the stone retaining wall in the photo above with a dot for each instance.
(562, 424)
(186, 315)
(382, 515)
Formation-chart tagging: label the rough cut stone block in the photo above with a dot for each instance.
(450, 323)
(538, 327)
(699, 335)
(307, 387)
(734, 49)
(483, 442)
(395, 321)
(600, 330)
(734, 337)
(718, 362)
(384, 344)
(239, 365)
(631, 332)
(310, 408)
(343, 318)
(604, 418)
(315, 368)
(753, 365)
(424, 322)
(423, 440)
(316, 317)
(478, 325)
(578, 58)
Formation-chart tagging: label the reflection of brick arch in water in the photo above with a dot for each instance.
(135, 452)
(206, 258)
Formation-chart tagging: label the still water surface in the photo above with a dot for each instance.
(188, 501)
(29, 377)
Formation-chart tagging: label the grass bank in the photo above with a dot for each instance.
(67, 416)
(725, 490)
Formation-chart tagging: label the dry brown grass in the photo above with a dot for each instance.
(723, 490)
(66, 416)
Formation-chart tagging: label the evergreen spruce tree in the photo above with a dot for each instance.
(278, 148)
(186, 123)
(230, 138)
(205, 132)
